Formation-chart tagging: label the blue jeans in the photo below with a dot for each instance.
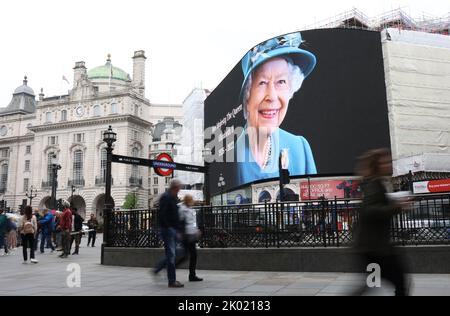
(44, 238)
(169, 236)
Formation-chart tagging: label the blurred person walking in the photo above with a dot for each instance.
(191, 235)
(372, 235)
(170, 230)
(28, 229)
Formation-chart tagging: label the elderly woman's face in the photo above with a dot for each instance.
(269, 94)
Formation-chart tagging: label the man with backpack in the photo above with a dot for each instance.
(66, 226)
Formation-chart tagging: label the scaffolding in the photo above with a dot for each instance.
(397, 18)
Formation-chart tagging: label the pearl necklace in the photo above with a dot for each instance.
(268, 152)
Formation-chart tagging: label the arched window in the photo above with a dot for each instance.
(63, 115)
(97, 110)
(3, 177)
(264, 196)
(78, 167)
(103, 164)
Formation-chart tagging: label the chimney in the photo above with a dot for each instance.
(79, 72)
(139, 71)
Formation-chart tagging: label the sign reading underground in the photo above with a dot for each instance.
(164, 165)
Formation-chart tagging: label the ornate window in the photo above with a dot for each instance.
(103, 163)
(113, 108)
(49, 166)
(97, 110)
(48, 117)
(63, 115)
(77, 167)
(3, 177)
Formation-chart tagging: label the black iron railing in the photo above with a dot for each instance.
(75, 182)
(101, 181)
(324, 223)
(135, 181)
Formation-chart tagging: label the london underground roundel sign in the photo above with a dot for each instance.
(162, 171)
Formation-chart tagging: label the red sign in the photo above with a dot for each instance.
(161, 171)
(329, 189)
(434, 186)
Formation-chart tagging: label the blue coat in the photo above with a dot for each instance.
(301, 160)
(47, 223)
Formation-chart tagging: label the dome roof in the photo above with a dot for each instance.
(108, 70)
(24, 88)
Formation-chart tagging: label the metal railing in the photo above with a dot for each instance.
(324, 223)
(75, 182)
(46, 184)
(135, 181)
(100, 181)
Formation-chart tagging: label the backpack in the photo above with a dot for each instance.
(28, 227)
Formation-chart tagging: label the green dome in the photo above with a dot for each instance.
(107, 71)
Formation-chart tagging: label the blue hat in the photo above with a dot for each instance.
(278, 46)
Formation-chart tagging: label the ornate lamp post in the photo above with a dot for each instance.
(55, 167)
(31, 194)
(109, 137)
(221, 185)
(72, 188)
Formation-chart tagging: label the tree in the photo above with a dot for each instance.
(130, 201)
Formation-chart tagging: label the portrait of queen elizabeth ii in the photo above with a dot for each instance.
(273, 72)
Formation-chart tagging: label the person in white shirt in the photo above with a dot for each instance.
(188, 216)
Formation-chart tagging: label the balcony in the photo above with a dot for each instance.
(100, 181)
(135, 181)
(76, 182)
(46, 184)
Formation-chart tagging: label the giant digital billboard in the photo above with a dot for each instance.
(317, 96)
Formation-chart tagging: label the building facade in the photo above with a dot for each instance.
(71, 128)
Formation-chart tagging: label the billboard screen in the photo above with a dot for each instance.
(319, 96)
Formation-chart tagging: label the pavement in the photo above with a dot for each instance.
(56, 276)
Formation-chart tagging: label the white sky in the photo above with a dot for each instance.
(188, 43)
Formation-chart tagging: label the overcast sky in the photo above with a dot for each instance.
(187, 43)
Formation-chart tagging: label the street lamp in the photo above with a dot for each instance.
(109, 137)
(55, 167)
(221, 185)
(31, 194)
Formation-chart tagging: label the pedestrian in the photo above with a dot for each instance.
(65, 226)
(77, 227)
(191, 235)
(372, 235)
(58, 231)
(92, 225)
(3, 228)
(38, 233)
(46, 223)
(12, 234)
(28, 230)
(170, 229)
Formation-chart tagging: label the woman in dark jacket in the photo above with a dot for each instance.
(372, 235)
